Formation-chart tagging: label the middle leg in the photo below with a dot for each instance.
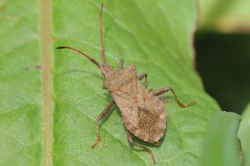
(164, 90)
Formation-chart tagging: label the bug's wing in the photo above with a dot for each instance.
(143, 114)
(152, 117)
(123, 88)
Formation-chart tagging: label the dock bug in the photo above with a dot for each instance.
(143, 113)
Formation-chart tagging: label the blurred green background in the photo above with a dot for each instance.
(222, 44)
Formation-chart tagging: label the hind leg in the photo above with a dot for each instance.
(130, 136)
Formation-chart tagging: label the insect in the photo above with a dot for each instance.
(143, 113)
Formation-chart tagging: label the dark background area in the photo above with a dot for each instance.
(223, 62)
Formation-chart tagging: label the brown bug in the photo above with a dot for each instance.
(143, 113)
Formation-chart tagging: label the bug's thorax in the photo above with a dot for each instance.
(107, 70)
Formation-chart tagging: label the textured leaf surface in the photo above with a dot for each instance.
(20, 84)
(221, 143)
(156, 36)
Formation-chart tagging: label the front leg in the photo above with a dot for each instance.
(102, 114)
(120, 66)
(164, 90)
(144, 75)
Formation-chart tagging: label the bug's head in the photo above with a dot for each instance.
(106, 70)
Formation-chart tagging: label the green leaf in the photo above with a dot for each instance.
(48, 116)
(221, 144)
(244, 135)
(21, 94)
(225, 15)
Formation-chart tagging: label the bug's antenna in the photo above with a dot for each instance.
(101, 37)
(71, 48)
(102, 45)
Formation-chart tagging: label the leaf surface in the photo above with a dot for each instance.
(225, 16)
(222, 147)
(244, 135)
(21, 90)
(156, 36)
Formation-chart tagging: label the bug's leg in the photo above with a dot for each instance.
(144, 75)
(120, 66)
(164, 90)
(129, 135)
(150, 90)
(103, 113)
